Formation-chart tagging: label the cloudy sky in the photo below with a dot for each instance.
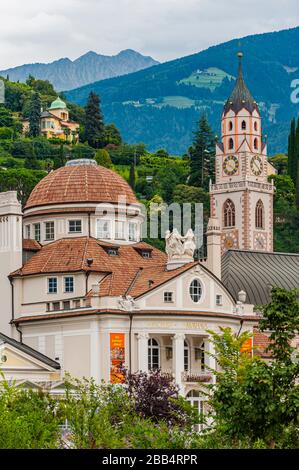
(35, 31)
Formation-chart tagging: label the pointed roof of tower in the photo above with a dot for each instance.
(241, 96)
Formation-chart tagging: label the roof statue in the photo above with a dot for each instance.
(180, 247)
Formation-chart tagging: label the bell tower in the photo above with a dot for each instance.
(242, 197)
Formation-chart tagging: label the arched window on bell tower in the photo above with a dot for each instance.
(229, 214)
(231, 144)
(243, 125)
(255, 144)
(259, 215)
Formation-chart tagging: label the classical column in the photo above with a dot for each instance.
(210, 360)
(142, 339)
(178, 357)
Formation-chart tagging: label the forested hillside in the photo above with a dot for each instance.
(164, 101)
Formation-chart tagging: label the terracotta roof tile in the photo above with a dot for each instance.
(31, 245)
(80, 183)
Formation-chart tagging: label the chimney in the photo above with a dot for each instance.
(214, 246)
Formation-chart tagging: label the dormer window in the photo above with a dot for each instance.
(146, 254)
(112, 251)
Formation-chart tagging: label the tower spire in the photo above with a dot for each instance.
(241, 96)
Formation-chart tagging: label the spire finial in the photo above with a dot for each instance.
(240, 57)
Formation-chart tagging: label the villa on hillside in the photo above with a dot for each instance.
(55, 122)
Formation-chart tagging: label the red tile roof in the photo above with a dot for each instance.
(71, 254)
(31, 245)
(80, 183)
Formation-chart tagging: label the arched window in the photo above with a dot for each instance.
(195, 290)
(229, 213)
(231, 143)
(153, 354)
(255, 144)
(186, 356)
(197, 401)
(243, 125)
(259, 214)
(255, 125)
(230, 126)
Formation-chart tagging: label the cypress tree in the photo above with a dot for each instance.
(202, 155)
(132, 180)
(94, 122)
(34, 115)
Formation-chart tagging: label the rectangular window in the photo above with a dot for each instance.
(52, 285)
(68, 284)
(66, 305)
(168, 297)
(75, 226)
(49, 231)
(218, 299)
(56, 305)
(36, 228)
(132, 232)
(103, 229)
(27, 231)
(119, 230)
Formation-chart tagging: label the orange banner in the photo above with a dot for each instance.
(117, 358)
(247, 346)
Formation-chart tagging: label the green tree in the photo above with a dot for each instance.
(102, 158)
(94, 122)
(34, 115)
(202, 155)
(59, 160)
(112, 135)
(21, 180)
(27, 419)
(255, 403)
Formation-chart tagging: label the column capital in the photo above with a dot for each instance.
(179, 336)
(142, 335)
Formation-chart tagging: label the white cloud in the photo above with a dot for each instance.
(32, 31)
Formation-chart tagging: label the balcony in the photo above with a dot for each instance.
(246, 184)
(195, 377)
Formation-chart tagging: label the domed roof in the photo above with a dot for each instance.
(80, 181)
(58, 104)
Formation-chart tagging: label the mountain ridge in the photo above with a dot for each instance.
(65, 73)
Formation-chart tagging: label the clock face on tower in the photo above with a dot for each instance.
(260, 242)
(230, 165)
(256, 165)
